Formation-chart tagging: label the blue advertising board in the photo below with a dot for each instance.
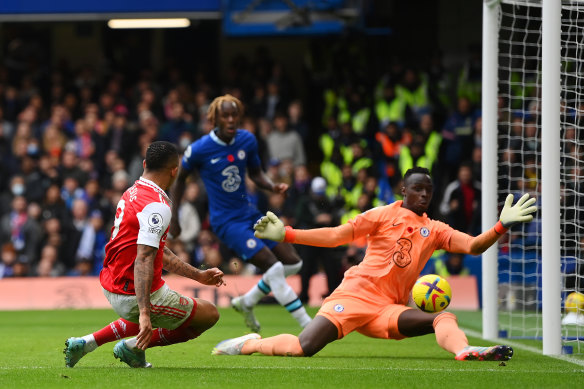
(106, 6)
(287, 17)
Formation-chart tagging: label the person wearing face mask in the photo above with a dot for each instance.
(12, 224)
(17, 187)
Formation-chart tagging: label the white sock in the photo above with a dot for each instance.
(90, 343)
(252, 296)
(285, 295)
(292, 269)
(301, 317)
(256, 293)
(131, 343)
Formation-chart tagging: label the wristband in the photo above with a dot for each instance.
(500, 229)
(290, 235)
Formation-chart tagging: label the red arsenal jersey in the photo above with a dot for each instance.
(142, 217)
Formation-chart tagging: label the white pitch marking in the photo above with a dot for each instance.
(520, 346)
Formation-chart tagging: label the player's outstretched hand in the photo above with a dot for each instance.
(145, 334)
(270, 227)
(281, 188)
(212, 276)
(521, 212)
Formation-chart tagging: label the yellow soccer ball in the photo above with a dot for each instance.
(574, 303)
(431, 293)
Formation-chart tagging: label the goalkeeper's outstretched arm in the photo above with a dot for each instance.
(270, 227)
(521, 212)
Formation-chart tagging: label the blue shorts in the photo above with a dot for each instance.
(238, 236)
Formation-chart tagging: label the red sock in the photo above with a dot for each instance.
(164, 337)
(116, 330)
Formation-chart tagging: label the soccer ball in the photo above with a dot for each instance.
(431, 293)
(574, 303)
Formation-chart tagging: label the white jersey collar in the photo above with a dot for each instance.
(216, 139)
(147, 182)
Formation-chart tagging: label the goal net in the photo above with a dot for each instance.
(520, 164)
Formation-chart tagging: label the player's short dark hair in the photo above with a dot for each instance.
(414, 170)
(160, 155)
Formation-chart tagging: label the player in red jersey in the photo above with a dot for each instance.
(132, 272)
(373, 295)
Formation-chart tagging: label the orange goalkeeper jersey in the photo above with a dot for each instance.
(399, 243)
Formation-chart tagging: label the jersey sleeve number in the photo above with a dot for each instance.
(118, 220)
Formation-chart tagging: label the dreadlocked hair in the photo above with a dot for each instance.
(215, 107)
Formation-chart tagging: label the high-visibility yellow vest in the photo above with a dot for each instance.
(330, 101)
(520, 89)
(469, 89)
(406, 161)
(417, 98)
(351, 196)
(432, 147)
(333, 176)
(344, 115)
(442, 271)
(360, 120)
(347, 154)
(349, 215)
(395, 111)
(327, 145)
(361, 163)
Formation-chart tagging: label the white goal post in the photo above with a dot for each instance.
(541, 41)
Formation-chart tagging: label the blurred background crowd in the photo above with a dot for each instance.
(72, 139)
(71, 142)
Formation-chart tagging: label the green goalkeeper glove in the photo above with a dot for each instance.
(521, 212)
(270, 227)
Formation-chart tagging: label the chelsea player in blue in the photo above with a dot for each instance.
(222, 159)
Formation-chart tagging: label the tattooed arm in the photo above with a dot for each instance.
(175, 265)
(143, 274)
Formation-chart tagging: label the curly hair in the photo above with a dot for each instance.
(215, 107)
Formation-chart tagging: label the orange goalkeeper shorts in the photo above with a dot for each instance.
(352, 313)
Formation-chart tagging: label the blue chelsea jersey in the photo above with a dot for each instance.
(222, 167)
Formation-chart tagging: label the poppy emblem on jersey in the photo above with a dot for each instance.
(424, 232)
(339, 308)
(230, 158)
(410, 230)
(241, 154)
(251, 243)
(155, 220)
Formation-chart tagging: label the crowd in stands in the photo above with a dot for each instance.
(72, 141)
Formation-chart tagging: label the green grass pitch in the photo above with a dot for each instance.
(32, 343)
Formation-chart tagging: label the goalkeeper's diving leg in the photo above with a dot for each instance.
(413, 322)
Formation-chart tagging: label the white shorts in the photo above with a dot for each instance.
(168, 309)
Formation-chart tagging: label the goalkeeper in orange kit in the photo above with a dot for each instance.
(373, 295)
